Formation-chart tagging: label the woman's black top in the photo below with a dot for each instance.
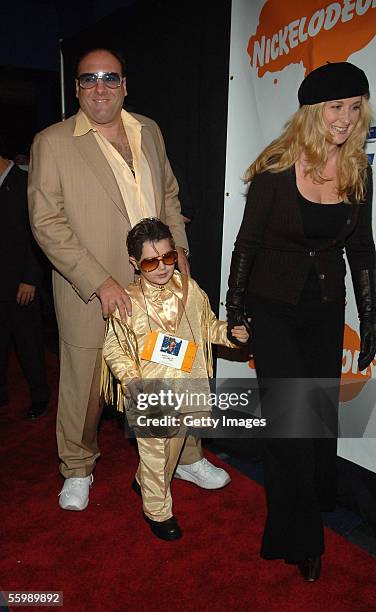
(320, 222)
(272, 235)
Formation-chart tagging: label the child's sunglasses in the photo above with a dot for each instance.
(152, 263)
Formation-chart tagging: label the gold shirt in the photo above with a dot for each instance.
(181, 308)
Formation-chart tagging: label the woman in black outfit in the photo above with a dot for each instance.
(310, 197)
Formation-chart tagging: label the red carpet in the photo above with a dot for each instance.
(106, 558)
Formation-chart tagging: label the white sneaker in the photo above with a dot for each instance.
(204, 474)
(75, 493)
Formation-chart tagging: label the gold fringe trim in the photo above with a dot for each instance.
(206, 337)
(128, 342)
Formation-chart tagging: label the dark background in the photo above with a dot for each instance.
(30, 31)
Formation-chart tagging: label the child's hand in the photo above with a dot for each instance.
(134, 387)
(240, 333)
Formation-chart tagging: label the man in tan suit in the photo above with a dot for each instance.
(91, 179)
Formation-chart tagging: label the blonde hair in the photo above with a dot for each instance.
(305, 132)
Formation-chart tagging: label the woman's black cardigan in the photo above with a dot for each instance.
(272, 236)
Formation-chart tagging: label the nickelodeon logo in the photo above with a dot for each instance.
(352, 381)
(331, 32)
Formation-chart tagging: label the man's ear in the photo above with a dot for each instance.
(124, 86)
(77, 87)
(134, 263)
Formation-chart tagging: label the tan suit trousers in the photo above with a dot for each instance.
(79, 412)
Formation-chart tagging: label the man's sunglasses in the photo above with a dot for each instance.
(88, 80)
(152, 263)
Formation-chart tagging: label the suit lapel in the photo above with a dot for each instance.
(90, 151)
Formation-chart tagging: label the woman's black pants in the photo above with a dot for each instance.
(294, 345)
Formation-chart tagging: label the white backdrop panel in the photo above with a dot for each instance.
(258, 106)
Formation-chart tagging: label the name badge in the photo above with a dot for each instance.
(169, 351)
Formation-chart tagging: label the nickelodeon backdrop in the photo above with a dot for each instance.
(273, 46)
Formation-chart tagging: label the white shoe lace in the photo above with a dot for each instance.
(205, 466)
(74, 483)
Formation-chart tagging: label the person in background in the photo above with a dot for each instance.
(91, 179)
(22, 161)
(310, 197)
(20, 308)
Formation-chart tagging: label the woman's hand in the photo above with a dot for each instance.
(240, 333)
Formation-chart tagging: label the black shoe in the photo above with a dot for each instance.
(136, 487)
(165, 530)
(36, 410)
(310, 568)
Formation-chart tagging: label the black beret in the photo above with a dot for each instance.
(333, 82)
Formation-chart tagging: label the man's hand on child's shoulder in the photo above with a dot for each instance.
(112, 296)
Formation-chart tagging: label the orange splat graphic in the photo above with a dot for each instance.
(352, 380)
(312, 32)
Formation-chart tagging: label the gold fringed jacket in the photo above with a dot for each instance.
(180, 308)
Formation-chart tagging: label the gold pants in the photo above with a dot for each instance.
(158, 459)
(79, 412)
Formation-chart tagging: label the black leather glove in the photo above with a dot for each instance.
(364, 282)
(241, 264)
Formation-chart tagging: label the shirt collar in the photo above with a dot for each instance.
(174, 286)
(83, 125)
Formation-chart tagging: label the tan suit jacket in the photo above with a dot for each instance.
(79, 219)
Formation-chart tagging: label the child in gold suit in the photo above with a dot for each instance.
(165, 301)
